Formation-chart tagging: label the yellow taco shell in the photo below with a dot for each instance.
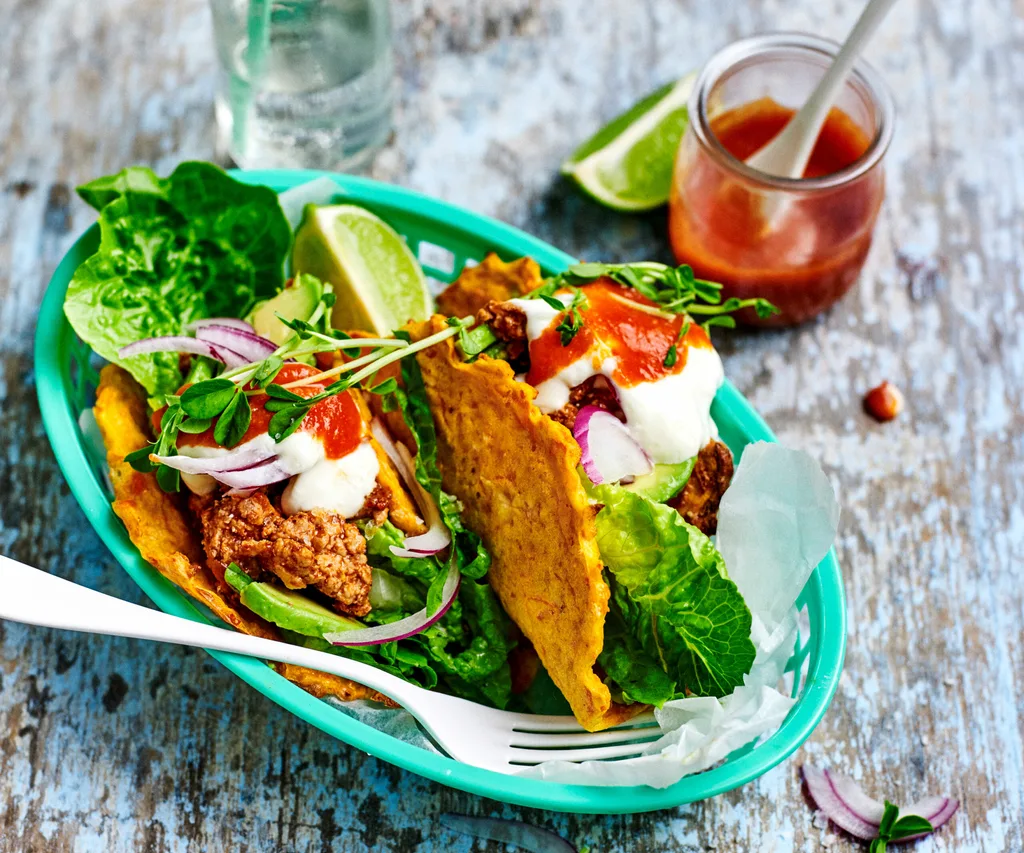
(514, 469)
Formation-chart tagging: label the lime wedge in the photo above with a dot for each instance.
(627, 165)
(377, 280)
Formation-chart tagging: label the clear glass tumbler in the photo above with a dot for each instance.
(798, 242)
(303, 83)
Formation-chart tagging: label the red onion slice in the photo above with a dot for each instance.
(235, 460)
(848, 807)
(523, 835)
(271, 471)
(407, 627)
(183, 343)
(220, 321)
(608, 451)
(242, 341)
(437, 537)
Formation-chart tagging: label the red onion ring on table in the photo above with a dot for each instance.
(844, 803)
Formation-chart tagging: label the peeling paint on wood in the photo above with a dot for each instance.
(111, 745)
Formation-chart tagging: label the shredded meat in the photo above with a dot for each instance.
(594, 391)
(698, 502)
(316, 549)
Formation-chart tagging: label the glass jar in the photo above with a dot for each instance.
(799, 242)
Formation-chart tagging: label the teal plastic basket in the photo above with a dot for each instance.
(445, 237)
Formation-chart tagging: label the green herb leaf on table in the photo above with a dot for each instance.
(893, 828)
(196, 244)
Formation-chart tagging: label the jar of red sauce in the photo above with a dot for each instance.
(798, 242)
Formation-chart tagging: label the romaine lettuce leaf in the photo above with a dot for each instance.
(173, 250)
(673, 597)
(633, 675)
(470, 645)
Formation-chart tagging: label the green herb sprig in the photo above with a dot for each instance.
(674, 289)
(572, 319)
(672, 356)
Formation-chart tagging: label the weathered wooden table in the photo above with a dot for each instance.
(112, 745)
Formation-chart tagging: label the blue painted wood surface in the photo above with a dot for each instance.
(112, 745)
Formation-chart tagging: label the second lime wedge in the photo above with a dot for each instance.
(627, 165)
(377, 280)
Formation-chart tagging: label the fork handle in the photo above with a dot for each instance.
(35, 597)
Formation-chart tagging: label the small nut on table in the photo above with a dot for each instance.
(884, 402)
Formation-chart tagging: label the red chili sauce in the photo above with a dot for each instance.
(637, 338)
(337, 421)
(805, 258)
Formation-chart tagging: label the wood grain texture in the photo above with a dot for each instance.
(111, 745)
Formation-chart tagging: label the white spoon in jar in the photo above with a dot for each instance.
(787, 155)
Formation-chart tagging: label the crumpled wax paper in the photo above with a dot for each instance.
(777, 521)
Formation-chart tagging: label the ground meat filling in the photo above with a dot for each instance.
(508, 322)
(316, 549)
(594, 391)
(698, 502)
(376, 505)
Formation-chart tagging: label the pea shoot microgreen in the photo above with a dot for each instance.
(473, 341)
(672, 356)
(572, 319)
(674, 289)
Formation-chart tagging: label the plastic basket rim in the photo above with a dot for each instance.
(61, 427)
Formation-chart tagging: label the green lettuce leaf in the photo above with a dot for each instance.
(470, 645)
(173, 250)
(673, 597)
(632, 674)
(380, 538)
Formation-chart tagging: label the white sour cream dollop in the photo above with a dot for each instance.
(341, 485)
(670, 418)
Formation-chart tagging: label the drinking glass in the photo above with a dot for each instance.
(303, 83)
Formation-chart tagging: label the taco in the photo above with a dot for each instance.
(574, 424)
(307, 535)
(244, 461)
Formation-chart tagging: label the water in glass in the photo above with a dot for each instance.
(309, 81)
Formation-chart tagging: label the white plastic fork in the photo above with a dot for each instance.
(474, 734)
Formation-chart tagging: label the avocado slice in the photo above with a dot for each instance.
(298, 301)
(287, 609)
(662, 484)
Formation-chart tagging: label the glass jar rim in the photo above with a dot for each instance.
(795, 44)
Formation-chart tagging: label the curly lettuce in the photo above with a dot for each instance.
(172, 250)
(677, 625)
